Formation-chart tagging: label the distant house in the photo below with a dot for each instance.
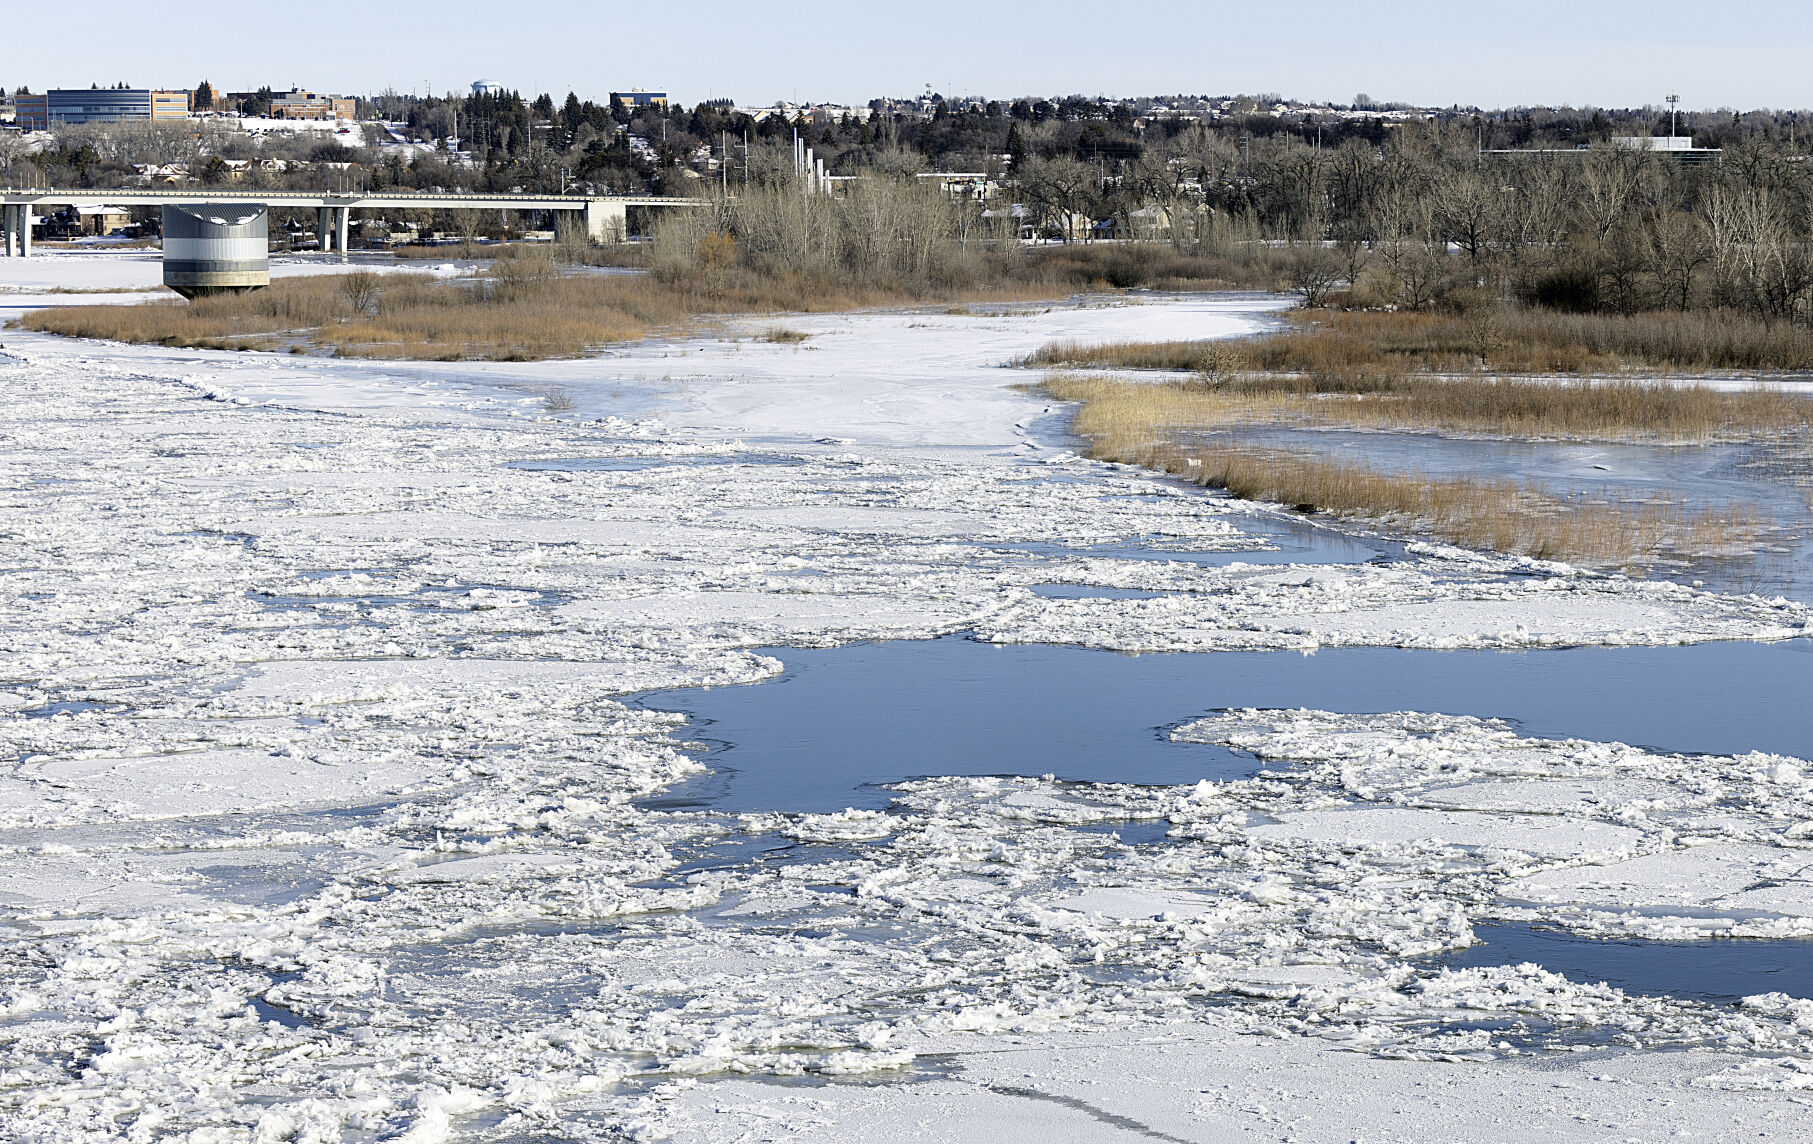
(81, 219)
(1022, 219)
(162, 174)
(973, 185)
(1073, 226)
(232, 170)
(828, 113)
(1149, 222)
(98, 219)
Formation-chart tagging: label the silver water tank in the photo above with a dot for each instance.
(216, 248)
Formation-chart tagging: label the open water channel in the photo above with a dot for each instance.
(841, 725)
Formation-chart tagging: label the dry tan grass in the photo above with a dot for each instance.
(1211, 357)
(783, 336)
(524, 307)
(407, 316)
(1153, 425)
(1616, 409)
(1496, 337)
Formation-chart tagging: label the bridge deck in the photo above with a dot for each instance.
(356, 200)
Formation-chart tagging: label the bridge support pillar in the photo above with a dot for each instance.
(324, 229)
(343, 226)
(23, 218)
(6, 230)
(606, 221)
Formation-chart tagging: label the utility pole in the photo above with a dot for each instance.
(1673, 103)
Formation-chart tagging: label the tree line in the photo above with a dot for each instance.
(1539, 204)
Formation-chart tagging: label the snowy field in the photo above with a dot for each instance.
(65, 278)
(333, 814)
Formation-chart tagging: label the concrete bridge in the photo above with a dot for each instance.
(604, 216)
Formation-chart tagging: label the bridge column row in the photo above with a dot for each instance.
(333, 225)
(606, 222)
(15, 223)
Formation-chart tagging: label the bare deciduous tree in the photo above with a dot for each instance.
(1314, 271)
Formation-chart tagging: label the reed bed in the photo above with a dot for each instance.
(406, 315)
(521, 309)
(1615, 409)
(1496, 337)
(1158, 426)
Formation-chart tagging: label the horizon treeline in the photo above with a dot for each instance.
(1539, 205)
(542, 144)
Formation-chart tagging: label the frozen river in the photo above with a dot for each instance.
(800, 742)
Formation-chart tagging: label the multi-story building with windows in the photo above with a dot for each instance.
(99, 105)
(640, 97)
(299, 104)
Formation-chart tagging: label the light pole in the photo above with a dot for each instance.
(1673, 102)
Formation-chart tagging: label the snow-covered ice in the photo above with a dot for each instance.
(327, 813)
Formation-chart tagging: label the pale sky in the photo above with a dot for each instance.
(1608, 54)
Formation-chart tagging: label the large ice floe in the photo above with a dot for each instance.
(332, 814)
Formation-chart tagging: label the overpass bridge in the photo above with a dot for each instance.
(605, 216)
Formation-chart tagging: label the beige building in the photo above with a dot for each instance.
(307, 105)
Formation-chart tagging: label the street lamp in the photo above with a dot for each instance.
(1673, 102)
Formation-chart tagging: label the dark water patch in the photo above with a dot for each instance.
(643, 464)
(1321, 546)
(1129, 833)
(1290, 541)
(427, 598)
(66, 707)
(1092, 592)
(1718, 970)
(261, 885)
(841, 723)
(289, 1019)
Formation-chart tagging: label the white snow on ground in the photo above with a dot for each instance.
(62, 278)
(322, 824)
(48, 270)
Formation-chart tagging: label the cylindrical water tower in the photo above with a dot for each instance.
(216, 248)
